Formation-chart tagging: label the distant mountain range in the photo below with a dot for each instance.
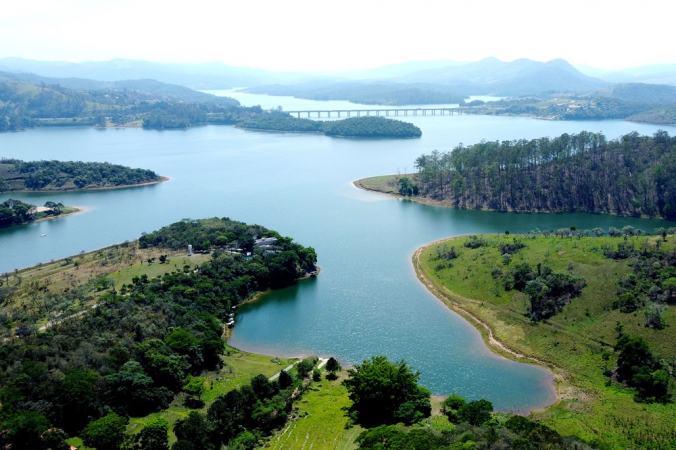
(516, 78)
(488, 76)
(653, 74)
(152, 87)
(195, 76)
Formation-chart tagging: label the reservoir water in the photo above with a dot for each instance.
(367, 300)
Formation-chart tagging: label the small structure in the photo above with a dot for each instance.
(265, 242)
(189, 249)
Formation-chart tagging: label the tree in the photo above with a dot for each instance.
(154, 436)
(244, 441)
(452, 405)
(379, 388)
(476, 412)
(285, 379)
(195, 387)
(305, 367)
(332, 366)
(77, 397)
(106, 433)
(195, 429)
(24, 430)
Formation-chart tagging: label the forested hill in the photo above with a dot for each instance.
(16, 175)
(369, 126)
(127, 103)
(630, 176)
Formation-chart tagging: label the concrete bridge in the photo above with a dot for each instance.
(380, 112)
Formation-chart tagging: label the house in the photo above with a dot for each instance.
(264, 242)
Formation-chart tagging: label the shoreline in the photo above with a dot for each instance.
(102, 188)
(228, 331)
(78, 210)
(499, 348)
(431, 202)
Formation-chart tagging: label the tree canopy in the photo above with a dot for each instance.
(383, 392)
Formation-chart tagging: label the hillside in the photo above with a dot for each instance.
(195, 76)
(623, 296)
(16, 175)
(148, 87)
(130, 103)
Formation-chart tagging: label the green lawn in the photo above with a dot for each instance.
(386, 183)
(155, 269)
(573, 340)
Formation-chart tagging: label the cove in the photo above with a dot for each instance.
(367, 300)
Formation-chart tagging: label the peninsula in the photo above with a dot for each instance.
(593, 306)
(15, 212)
(58, 176)
(630, 176)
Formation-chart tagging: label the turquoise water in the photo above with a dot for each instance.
(367, 299)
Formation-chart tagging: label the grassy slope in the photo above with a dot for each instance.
(571, 342)
(321, 420)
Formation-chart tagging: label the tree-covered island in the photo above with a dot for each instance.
(17, 175)
(368, 126)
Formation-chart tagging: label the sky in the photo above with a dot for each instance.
(321, 35)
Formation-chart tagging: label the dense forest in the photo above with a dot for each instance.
(630, 176)
(16, 175)
(368, 126)
(141, 343)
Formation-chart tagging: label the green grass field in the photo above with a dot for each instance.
(571, 342)
(386, 184)
(321, 421)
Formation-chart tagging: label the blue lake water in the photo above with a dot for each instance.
(367, 299)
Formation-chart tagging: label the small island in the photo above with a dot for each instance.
(369, 126)
(59, 176)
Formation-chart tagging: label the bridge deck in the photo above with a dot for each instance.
(318, 113)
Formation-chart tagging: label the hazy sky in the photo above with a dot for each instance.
(340, 34)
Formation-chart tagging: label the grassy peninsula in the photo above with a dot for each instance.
(572, 301)
(47, 176)
(369, 126)
(629, 176)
